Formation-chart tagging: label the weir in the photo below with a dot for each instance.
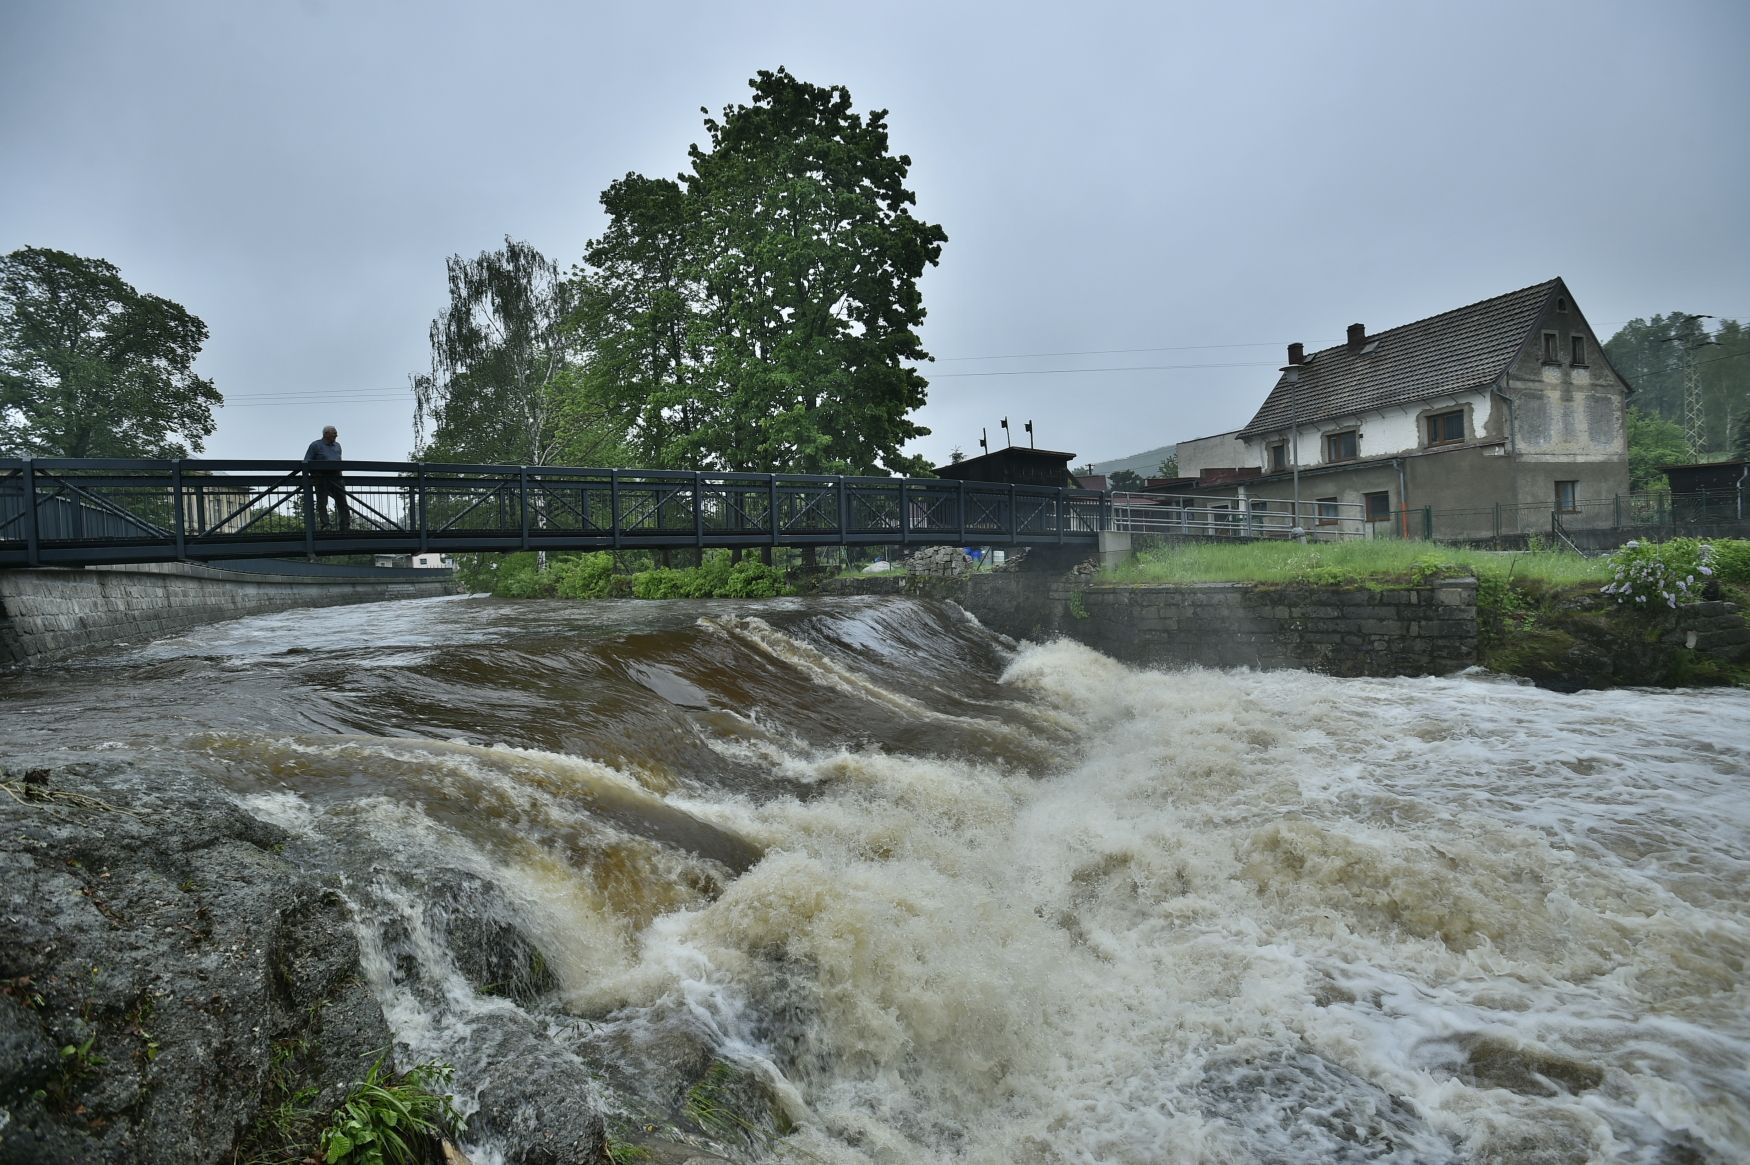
(56, 511)
(780, 880)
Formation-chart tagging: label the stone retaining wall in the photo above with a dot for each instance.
(52, 611)
(1426, 630)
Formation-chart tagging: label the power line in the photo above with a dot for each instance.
(384, 394)
(1101, 352)
(1122, 368)
(1728, 356)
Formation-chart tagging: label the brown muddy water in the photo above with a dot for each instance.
(958, 899)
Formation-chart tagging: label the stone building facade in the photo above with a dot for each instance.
(1505, 406)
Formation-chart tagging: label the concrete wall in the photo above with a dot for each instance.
(1222, 451)
(53, 611)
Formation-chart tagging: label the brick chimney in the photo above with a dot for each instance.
(1297, 353)
(1357, 336)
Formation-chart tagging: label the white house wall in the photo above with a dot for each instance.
(1383, 433)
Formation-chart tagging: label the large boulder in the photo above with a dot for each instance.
(170, 985)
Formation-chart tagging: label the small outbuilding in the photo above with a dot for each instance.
(1710, 492)
(1015, 466)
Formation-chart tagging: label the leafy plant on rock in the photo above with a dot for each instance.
(380, 1117)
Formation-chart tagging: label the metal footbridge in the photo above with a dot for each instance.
(63, 512)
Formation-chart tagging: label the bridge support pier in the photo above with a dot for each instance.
(1115, 549)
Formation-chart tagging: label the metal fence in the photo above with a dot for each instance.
(1649, 512)
(1203, 516)
(142, 511)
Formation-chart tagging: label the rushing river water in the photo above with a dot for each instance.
(957, 900)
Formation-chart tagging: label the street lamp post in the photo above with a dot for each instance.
(1291, 378)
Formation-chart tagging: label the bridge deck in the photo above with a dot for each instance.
(75, 512)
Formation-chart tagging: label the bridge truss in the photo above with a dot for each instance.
(86, 512)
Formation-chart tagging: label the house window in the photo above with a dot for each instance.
(1445, 428)
(1551, 354)
(1561, 304)
(1378, 506)
(1327, 511)
(1577, 354)
(1278, 456)
(1568, 497)
(1340, 446)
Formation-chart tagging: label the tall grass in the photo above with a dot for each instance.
(1349, 563)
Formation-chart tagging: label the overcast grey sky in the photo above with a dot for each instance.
(1209, 181)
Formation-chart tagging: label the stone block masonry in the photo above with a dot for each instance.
(52, 611)
(1425, 630)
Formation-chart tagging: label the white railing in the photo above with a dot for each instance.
(1237, 517)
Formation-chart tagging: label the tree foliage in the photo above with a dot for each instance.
(90, 367)
(761, 312)
(1124, 479)
(504, 386)
(1652, 442)
(637, 298)
(1646, 353)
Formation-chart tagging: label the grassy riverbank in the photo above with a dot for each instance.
(1545, 615)
(1352, 564)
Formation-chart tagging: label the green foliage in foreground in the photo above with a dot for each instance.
(1370, 563)
(594, 576)
(374, 1124)
(1675, 573)
(717, 579)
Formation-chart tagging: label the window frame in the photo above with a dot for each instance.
(1367, 511)
(1327, 517)
(1276, 456)
(1354, 435)
(1577, 351)
(1552, 348)
(1429, 441)
(1572, 499)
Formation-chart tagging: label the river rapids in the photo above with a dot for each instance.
(950, 898)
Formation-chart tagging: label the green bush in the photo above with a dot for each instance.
(752, 579)
(374, 1123)
(1730, 561)
(1669, 574)
(584, 576)
(710, 578)
(661, 583)
(716, 579)
(511, 576)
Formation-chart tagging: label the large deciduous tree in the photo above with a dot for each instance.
(90, 367)
(767, 303)
(637, 299)
(500, 358)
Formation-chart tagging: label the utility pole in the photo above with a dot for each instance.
(1687, 337)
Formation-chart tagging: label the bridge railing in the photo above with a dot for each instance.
(67, 511)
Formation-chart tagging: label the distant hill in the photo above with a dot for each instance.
(1145, 464)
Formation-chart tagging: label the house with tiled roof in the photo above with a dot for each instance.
(1504, 406)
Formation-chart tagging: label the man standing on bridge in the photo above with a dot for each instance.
(322, 462)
